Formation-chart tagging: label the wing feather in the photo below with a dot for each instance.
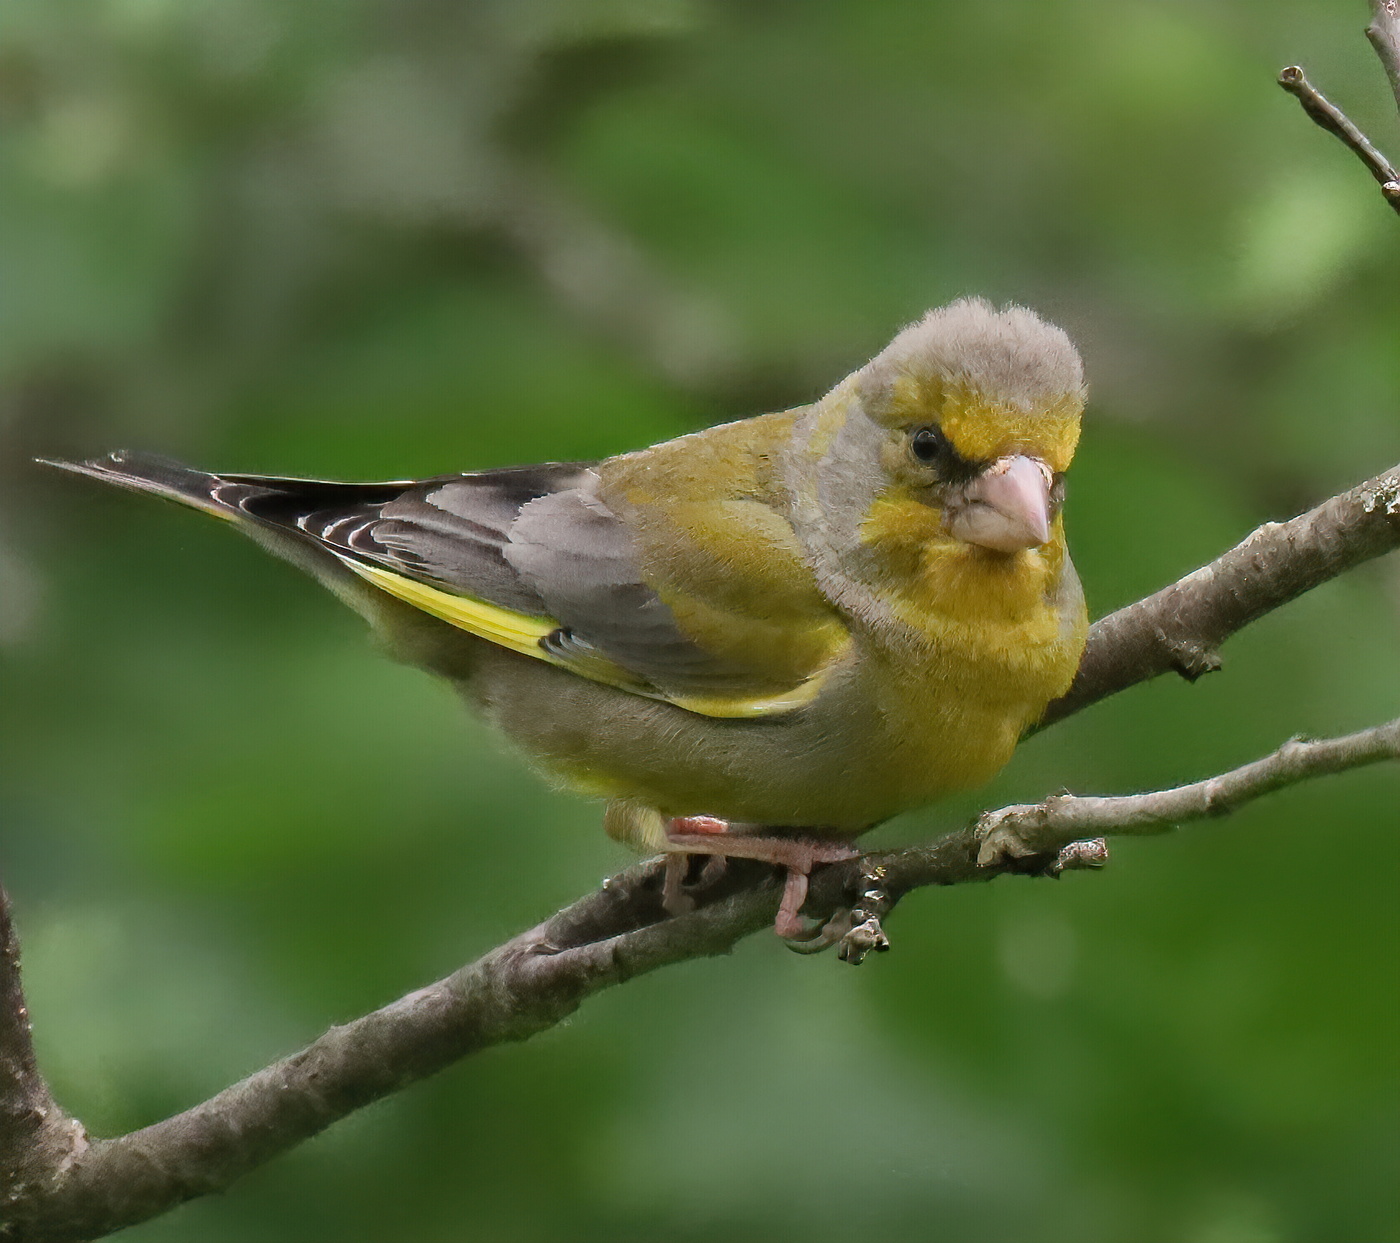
(528, 558)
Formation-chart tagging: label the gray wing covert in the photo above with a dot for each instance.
(455, 531)
(581, 559)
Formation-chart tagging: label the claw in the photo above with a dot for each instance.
(822, 937)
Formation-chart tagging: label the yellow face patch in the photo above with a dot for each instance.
(981, 430)
(903, 526)
(935, 583)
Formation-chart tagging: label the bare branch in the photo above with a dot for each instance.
(1042, 828)
(1331, 118)
(518, 989)
(37, 1141)
(1181, 627)
(1384, 33)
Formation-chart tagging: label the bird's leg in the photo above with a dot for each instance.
(707, 835)
(674, 899)
(788, 922)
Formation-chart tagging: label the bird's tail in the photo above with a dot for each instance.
(264, 507)
(160, 476)
(274, 511)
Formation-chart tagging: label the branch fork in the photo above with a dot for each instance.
(1384, 34)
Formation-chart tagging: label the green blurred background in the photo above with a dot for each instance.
(380, 238)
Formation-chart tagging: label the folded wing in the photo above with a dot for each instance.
(528, 558)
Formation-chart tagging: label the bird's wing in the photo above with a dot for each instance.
(533, 560)
(528, 558)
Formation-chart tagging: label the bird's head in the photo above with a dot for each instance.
(957, 434)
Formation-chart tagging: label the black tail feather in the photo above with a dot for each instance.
(269, 499)
(149, 472)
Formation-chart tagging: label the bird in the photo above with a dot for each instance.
(758, 640)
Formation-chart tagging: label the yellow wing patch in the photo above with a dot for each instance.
(519, 632)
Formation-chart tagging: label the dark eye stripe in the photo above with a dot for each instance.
(931, 447)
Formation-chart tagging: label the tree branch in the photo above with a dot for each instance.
(1041, 828)
(1181, 627)
(38, 1142)
(1331, 118)
(1384, 34)
(621, 931)
(1385, 37)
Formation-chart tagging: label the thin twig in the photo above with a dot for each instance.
(1331, 118)
(1384, 34)
(1041, 828)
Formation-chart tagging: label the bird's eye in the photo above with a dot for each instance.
(928, 444)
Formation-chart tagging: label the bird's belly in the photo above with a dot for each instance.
(872, 746)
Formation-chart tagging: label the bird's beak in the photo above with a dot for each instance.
(1006, 508)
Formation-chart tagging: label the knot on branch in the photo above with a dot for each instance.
(867, 933)
(1001, 835)
(1007, 838)
(1080, 856)
(1215, 798)
(1014, 839)
(1384, 494)
(1191, 658)
(1293, 755)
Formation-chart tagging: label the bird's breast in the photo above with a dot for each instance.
(968, 658)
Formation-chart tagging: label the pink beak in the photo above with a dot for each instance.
(1006, 508)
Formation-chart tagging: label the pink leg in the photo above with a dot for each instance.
(706, 835)
(788, 924)
(697, 824)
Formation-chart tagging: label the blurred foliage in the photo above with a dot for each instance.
(372, 239)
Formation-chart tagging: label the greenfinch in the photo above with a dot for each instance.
(755, 641)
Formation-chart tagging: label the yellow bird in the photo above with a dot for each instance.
(755, 641)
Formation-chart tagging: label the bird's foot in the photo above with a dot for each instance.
(708, 835)
(856, 930)
(674, 899)
(676, 895)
